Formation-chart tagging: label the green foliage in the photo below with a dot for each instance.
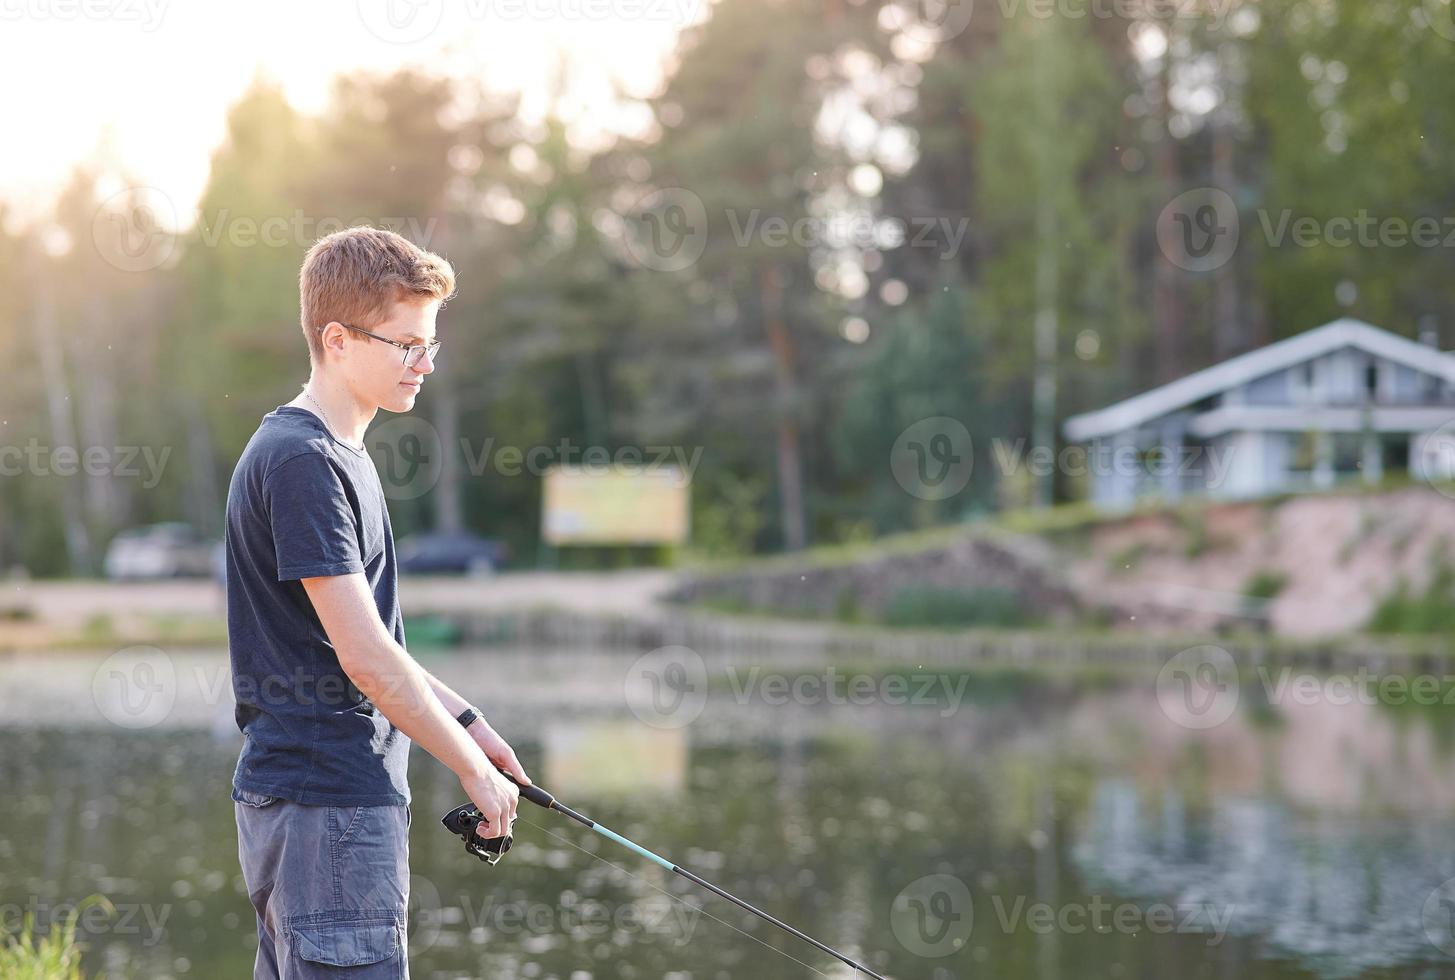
(727, 517)
(54, 956)
(1194, 528)
(925, 606)
(1127, 559)
(929, 364)
(1408, 611)
(1265, 584)
(1054, 143)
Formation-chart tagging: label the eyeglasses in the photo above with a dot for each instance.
(412, 354)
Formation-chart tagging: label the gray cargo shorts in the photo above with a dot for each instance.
(330, 886)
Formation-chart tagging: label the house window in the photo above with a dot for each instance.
(1371, 380)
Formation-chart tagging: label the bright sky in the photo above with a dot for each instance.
(146, 83)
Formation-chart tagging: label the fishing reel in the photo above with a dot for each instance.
(462, 822)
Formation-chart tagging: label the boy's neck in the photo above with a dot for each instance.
(337, 408)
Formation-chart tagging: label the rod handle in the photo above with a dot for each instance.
(533, 793)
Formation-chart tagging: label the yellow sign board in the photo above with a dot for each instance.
(615, 505)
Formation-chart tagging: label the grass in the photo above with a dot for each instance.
(54, 956)
(102, 630)
(1429, 612)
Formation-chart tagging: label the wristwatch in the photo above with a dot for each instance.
(469, 716)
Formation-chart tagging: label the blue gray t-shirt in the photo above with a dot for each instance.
(303, 504)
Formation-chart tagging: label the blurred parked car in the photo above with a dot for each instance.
(451, 553)
(170, 550)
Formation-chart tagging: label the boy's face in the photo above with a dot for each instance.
(376, 371)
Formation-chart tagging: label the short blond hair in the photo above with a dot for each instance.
(354, 276)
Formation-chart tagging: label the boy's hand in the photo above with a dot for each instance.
(496, 798)
(497, 750)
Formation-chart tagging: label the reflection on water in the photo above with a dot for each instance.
(1337, 895)
(1324, 829)
(1318, 833)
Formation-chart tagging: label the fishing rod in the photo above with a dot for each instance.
(464, 819)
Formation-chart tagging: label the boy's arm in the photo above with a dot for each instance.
(495, 747)
(388, 676)
(452, 701)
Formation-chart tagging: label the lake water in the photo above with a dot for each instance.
(989, 823)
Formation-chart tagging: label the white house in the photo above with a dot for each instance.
(1344, 400)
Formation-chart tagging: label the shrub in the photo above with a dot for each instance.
(55, 956)
(1265, 584)
(1432, 611)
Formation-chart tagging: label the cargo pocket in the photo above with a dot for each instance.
(346, 939)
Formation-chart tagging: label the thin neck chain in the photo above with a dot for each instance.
(324, 415)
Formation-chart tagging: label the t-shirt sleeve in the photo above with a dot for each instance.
(315, 530)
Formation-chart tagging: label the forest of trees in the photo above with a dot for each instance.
(972, 218)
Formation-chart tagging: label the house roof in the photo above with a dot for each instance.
(1305, 346)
